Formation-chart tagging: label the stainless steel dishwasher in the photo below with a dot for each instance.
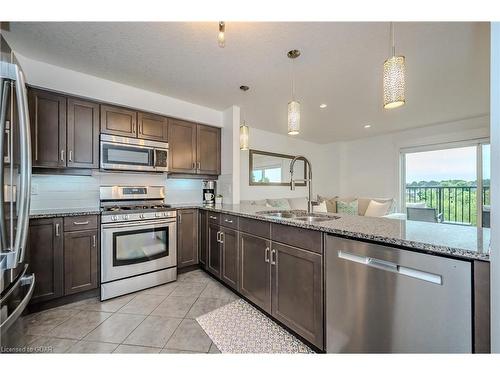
(386, 300)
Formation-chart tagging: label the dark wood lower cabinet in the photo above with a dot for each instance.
(255, 274)
(214, 251)
(45, 258)
(203, 236)
(187, 238)
(229, 249)
(81, 261)
(297, 291)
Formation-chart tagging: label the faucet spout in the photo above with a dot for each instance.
(308, 180)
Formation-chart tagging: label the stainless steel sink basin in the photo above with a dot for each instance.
(316, 218)
(298, 215)
(284, 215)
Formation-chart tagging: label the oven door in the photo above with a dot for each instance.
(131, 249)
(115, 156)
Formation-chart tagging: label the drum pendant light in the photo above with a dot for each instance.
(394, 77)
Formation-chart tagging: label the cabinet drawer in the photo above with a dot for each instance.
(229, 221)
(84, 222)
(255, 227)
(298, 237)
(213, 217)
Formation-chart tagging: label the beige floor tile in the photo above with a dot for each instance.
(197, 276)
(116, 328)
(162, 290)
(175, 307)
(50, 345)
(134, 349)
(205, 305)
(188, 289)
(43, 322)
(189, 336)
(92, 347)
(153, 331)
(111, 305)
(217, 290)
(79, 325)
(142, 304)
(176, 351)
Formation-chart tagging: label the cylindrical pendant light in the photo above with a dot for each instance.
(221, 37)
(394, 77)
(244, 137)
(293, 105)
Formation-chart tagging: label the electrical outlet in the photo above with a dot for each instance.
(34, 189)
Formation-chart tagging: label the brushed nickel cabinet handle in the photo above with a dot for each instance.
(273, 257)
(213, 217)
(57, 230)
(180, 218)
(62, 155)
(199, 165)
(94, 242)
(80, 222)
(228, 221)
(70, 155)
(266, 255)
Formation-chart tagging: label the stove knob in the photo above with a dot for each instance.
(114, 218)
(142, 216)
(165, 214)
(125, 217)
(157, 214)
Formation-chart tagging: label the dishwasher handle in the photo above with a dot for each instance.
(391, 267)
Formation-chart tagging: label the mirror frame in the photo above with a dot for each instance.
(283, 156)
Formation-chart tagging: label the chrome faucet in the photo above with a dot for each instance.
(307, 180)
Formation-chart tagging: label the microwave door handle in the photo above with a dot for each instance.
(25, 166)
(154, 158)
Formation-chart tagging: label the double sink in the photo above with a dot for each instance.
(300, 215)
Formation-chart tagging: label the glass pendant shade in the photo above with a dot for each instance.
(293, 117)
(394, 82)
(244, 137)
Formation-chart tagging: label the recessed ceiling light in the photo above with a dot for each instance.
(323, 106)
(367, 126)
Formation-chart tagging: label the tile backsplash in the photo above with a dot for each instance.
(57, 191)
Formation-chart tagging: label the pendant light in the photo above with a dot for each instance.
(221, 37)
(394, 77)
(293, 105)
(244, 130)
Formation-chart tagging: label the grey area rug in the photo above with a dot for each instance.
(240, 328)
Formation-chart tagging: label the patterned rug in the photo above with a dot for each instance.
(240, 328)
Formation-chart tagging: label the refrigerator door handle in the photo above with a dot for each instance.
(4, 87)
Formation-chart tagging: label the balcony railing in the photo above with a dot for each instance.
(456, 204)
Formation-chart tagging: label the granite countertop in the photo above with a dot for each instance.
(447, 239)
(61, 212)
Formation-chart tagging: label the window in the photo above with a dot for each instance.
(447, 183)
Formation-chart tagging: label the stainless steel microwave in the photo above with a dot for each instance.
(132, 154)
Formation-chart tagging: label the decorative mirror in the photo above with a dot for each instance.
(270, 169)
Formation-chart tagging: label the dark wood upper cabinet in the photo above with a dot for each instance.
(182, 146)
(208, 150)
(229, 249)
(214, 251)
(81, 256)
(83, 134)
(187, 238)
(48, 128)
(152, 127)
(45, 258)
(297, 291)
(118, 121)
(255, 274)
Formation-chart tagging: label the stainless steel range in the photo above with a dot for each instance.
(138, 239)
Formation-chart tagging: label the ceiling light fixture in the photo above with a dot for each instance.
(394, 77)
(293, 105)
(244, 129)
(221, 37)
(368, 126)
(322, 106)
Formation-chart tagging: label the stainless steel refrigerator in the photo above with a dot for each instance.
(15, 181)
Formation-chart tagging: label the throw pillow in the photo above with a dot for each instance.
(331, 203)
(320, 207)
(281, 204)
(378, 209)
(348, 208)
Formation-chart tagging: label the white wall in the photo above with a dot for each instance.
(495, 186)
(228, 183)
(370, 166)
(324, 159)
(72, 82)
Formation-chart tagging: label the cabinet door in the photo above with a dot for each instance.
(203, 236)
(118, 121)
(83, 134)
(297, 291)
(48, 129)
(182, 146)
(255, 274)
(45, 258)
(229, 248)
(80, 261)
(208, 150)
(187, 238)
(152, 127)
(214, 253)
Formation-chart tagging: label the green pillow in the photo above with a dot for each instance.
(348, 208)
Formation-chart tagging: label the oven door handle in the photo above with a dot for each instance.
(129, 224)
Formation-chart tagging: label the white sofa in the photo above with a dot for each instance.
(387, 206)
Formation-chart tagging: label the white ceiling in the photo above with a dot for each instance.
(341, 65)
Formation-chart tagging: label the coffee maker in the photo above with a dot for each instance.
(208, 193)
